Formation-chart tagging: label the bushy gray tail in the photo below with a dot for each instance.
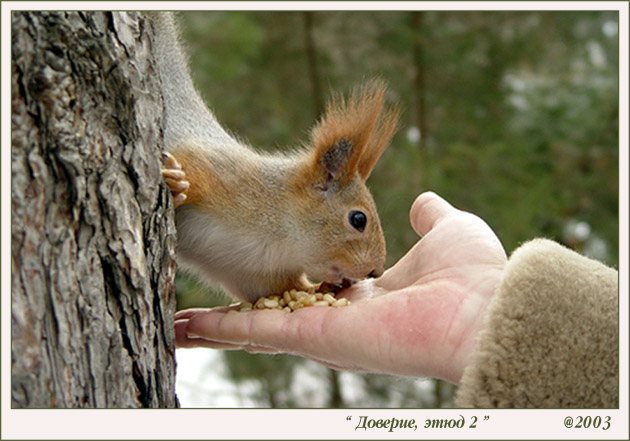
(186, 114)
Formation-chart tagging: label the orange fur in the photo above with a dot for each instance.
(380, 139)
(261, 223)
(363, 121)
(205, 184)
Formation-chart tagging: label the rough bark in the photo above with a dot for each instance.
(93, 236)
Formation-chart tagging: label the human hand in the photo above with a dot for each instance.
(419, 319)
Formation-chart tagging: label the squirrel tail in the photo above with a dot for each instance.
(186, 114)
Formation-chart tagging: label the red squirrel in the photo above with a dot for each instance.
(262, 223)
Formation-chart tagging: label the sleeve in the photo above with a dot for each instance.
(551, 337)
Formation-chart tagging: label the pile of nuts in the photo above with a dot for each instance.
(293, 300)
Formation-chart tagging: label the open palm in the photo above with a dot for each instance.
(420, 318)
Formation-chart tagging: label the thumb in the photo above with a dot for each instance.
(427, 211)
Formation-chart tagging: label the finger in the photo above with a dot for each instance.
(189, 339)
(250, 328)
(182, 340)
(365, 337)
(307, 332)
(427, 211)
(188, 313)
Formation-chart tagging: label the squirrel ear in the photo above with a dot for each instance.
(335, 159)
(381, 137)
(352, 134)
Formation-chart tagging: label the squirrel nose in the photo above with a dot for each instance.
(375, 273)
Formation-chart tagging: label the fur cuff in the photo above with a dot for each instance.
(551, 337)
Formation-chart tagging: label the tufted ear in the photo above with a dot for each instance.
(382, 134)
(352, 134)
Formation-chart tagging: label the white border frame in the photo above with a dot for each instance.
(305, 424)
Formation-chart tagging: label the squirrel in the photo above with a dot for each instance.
(262, 223)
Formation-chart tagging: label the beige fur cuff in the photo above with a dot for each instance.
(551, 335)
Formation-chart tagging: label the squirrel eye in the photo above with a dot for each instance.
(357, 219)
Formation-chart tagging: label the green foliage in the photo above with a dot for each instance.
(520, 115)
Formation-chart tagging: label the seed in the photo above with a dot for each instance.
(286, 297)
(340, 302)
(293, 300)
(245, 306)
(260, 303)
(300, 295)
(308, 300)
(271, 303)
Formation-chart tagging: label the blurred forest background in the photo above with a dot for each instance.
(512, 116)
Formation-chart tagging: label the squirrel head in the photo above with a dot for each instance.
(344, 147)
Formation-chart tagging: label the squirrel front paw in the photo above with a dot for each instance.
(175, 178)
(329, 287)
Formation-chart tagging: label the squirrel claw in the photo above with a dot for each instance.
(328, 287)
(170, 162)
(178, 199)
(175, 179)
(177, 186)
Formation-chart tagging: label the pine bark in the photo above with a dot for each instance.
(93, 237)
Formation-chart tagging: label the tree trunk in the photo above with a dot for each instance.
(92, 241)
(311, 58)
(417, 26)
